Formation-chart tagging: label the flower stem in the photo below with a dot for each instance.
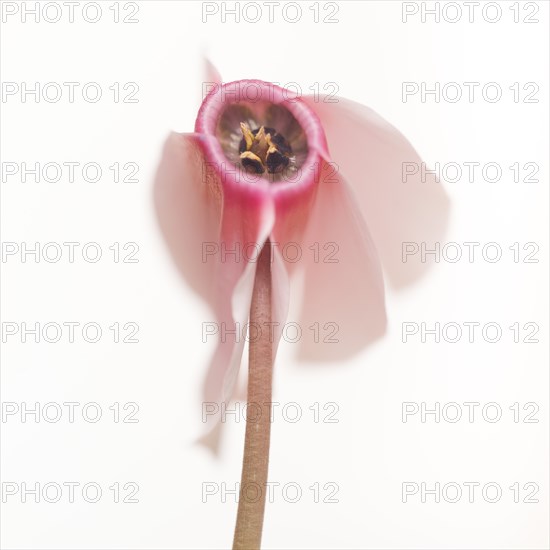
(250, 515)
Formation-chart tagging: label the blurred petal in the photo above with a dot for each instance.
(188, 211)
(292, 211)
(247, 220)
(226, 361)
(343, 302)
(214, 233)
(371, 153)
(280, 294)
(211, 74)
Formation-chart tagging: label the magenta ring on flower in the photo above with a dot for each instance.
(231, 104)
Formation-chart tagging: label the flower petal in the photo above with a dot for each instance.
(211, 74)
(247, 220)
(280, 296)
(372, 155)
(214, 233)
(343, 302)
(188, 211)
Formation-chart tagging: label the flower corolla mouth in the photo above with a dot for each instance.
(262, 134)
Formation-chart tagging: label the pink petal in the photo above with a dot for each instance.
(214, 233)
(370, 152)
(343, 301)
(248, 218)
(211, 74)
(280, 295)
(188, 210)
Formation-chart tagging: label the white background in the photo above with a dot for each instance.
(369, 452)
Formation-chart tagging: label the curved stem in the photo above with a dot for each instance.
(250, 515)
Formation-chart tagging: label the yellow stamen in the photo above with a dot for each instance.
(272, 148)
(247, 134)
(259, 150)
(251, 156)
(260, 146)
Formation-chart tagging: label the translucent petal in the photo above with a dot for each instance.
(373, 154)
(213, 232)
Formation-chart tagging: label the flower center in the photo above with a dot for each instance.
(263, 149)
(262, 139)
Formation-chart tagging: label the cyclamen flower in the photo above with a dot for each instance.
(257, 175)
(310, 174)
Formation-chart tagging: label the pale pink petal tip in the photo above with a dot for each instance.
(387, 177)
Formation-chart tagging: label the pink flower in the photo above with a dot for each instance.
(310, 174)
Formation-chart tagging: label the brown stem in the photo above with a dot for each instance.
(250, 515)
